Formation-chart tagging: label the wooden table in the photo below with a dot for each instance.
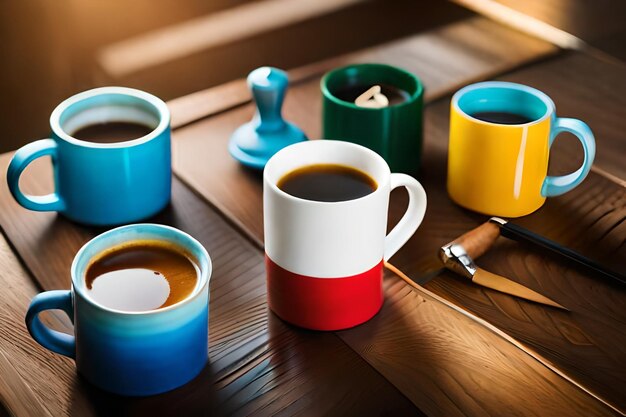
(447, 348)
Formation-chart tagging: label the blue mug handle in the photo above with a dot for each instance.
(24, 156)
(53, 340)
(553, 186)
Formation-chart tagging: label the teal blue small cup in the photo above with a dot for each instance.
(102, 183)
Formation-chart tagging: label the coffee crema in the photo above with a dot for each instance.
(112, 132)
(501, 117)
(350, 93)
(327, 183)
(141, 276)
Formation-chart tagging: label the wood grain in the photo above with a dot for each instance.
(581, 343)
(444, 362)
(33, 381)
(257, 363)
(587, 343)
(482, 373)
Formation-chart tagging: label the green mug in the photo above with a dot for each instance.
(393, 131)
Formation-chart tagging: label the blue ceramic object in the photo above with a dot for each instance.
(254, 143)
(130, 353)
(102, 183)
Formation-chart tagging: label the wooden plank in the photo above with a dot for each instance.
(588, 21)
(33, 381)
(223, 27)
(444, 58)
(483, 374)
(237, 194)
(190, 108)
(587, 344)
(260, 364)
(593, 27)
(325, 36)
(590, 219)
(452, 387)
(256, 361)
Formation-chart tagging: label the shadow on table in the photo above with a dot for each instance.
(3, 411)
(196, 398)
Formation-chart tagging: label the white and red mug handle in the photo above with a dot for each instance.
(412, 218)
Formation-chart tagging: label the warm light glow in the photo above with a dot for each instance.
(177, 41)
(523, 22)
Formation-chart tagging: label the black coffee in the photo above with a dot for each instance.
(112, 132)
(327, 182)
(500, 117)
(350, 93)
(141, 276)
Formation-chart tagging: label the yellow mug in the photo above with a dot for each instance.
(500, 138)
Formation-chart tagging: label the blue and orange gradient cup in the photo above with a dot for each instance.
(130, 353)
(325, 259)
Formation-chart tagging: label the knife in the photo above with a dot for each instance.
(456, 258)
(459, 255)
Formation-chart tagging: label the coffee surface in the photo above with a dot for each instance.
(112, 132)
(500, 117)
(141, 276)
(350, 93)
(327, 182)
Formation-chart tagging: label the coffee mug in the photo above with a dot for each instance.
(394, 132)
(499, 167)
(102, 183)
(130, 353)
(324, 260)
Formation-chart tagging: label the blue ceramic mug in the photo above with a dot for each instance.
(130, 353)
(102, 183)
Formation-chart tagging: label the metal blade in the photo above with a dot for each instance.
(505, 285)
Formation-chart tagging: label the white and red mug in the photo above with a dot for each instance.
(325, 260)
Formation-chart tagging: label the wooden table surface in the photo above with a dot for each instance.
(447, 348)
(597, 24)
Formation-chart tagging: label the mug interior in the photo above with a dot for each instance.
(109, 104)
(503, 97)
(325, 152)
(140, 232)
(368, 75)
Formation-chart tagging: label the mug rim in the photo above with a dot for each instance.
(550, 107)
(327, 93)
(204, 276)
(327, 142)
(157, 103)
